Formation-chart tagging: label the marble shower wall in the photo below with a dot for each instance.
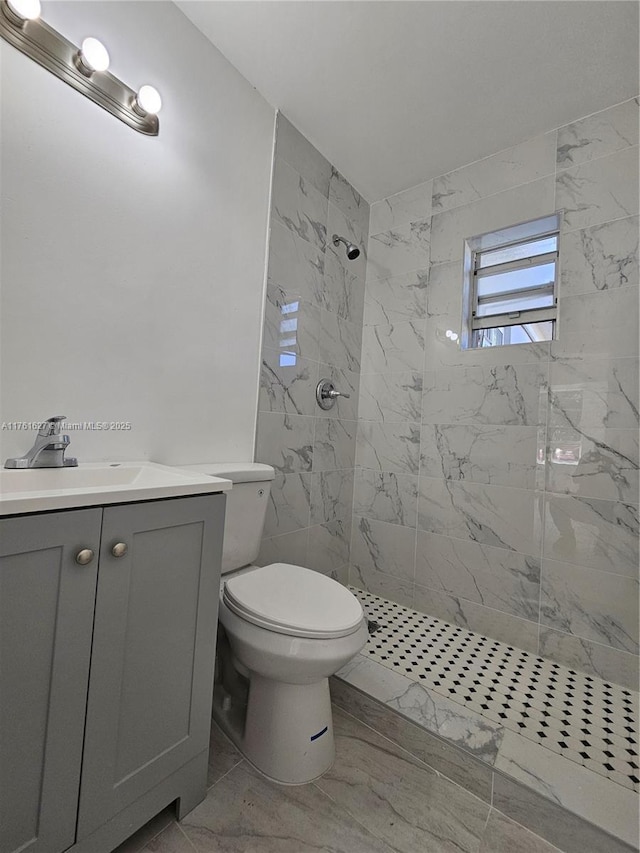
(461, 507)
(312, 330)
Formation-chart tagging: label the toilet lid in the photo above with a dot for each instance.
(292, 600)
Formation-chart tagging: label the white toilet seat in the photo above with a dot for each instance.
(294, 601)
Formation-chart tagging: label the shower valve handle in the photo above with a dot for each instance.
(326, 394)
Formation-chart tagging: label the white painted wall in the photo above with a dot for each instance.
(132, 268)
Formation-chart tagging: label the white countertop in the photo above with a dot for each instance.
(98, 483)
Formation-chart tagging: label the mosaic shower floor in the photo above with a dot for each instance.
(583, 718)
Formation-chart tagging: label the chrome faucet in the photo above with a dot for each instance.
(48, 449)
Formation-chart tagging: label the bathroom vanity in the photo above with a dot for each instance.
(108, 615)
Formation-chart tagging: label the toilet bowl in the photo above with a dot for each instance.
(284, 630)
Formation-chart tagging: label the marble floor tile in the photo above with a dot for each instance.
(407, 206)
(600, 258)
(137, 842)
(386, 497)
(171, 840)
(246, 813)
(521, 164)
(223, 756)
(503, 835)
(589, 795)
(599, 134)
(398, 798)
(599, 191)
(298, 205)
(299, 153)
(394, 347)
(397, 299)
(511, 395)
(388, 447)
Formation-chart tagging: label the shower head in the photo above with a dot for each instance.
(352, 251)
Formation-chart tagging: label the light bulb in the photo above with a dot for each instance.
(94, 55)
(148, 100)
(25, 9)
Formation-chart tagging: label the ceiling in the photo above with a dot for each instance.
(395, 92)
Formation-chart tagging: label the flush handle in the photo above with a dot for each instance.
(326, 394)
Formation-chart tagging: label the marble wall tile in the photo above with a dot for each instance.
(397, 797)
(606, 467)
(590, 394)
(589, 532)
(388, 447)
(599, 191)
(602, 661)
(298, 205)
(352, 230)
(591, 604)
(347, 382)
(386, 497)
(343, 291)
(444, 293)
(291, 325)
(390, 396)
(289, 504)
(597, 135)
(394, 347)
(567, 831)
(382, 547)
(244, 807)
(476, 617)
(287, 383)
(497, 578)
(331, 496)
(397, 299)
(285, 441)
(451, 761)
(490, 515)
(287, 548)
(441, 352)
(328, 548)
(380, 583)
(521, 164)
(296, 266)
(600, 258)
(598, 325)
(451, 228)
(410, 205)
(503, 835)
(299, 153)
(170, 840)
(401, 250)
(586, 794)
(339, 342)
(347, 199)
(505, 394)
(334, 445)
(502, 455)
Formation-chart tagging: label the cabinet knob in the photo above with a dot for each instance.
(84, 557)
(119, 549)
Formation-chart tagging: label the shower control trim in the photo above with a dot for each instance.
(326, 394)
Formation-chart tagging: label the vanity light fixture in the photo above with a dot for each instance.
(84, 68)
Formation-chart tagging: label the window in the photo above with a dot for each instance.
(511, 285)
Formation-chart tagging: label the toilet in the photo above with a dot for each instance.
(285, 631)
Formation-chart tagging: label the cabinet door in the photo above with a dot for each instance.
(153, 650)
(46, 619)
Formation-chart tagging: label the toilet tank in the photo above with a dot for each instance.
(246, 508)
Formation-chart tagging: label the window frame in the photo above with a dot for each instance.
(504, 238)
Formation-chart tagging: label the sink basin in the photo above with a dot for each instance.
(91, 483)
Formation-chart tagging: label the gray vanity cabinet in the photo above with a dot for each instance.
(106, 669)
(46, 619)
(151, 681)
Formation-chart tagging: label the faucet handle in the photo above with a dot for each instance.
(52, 425)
